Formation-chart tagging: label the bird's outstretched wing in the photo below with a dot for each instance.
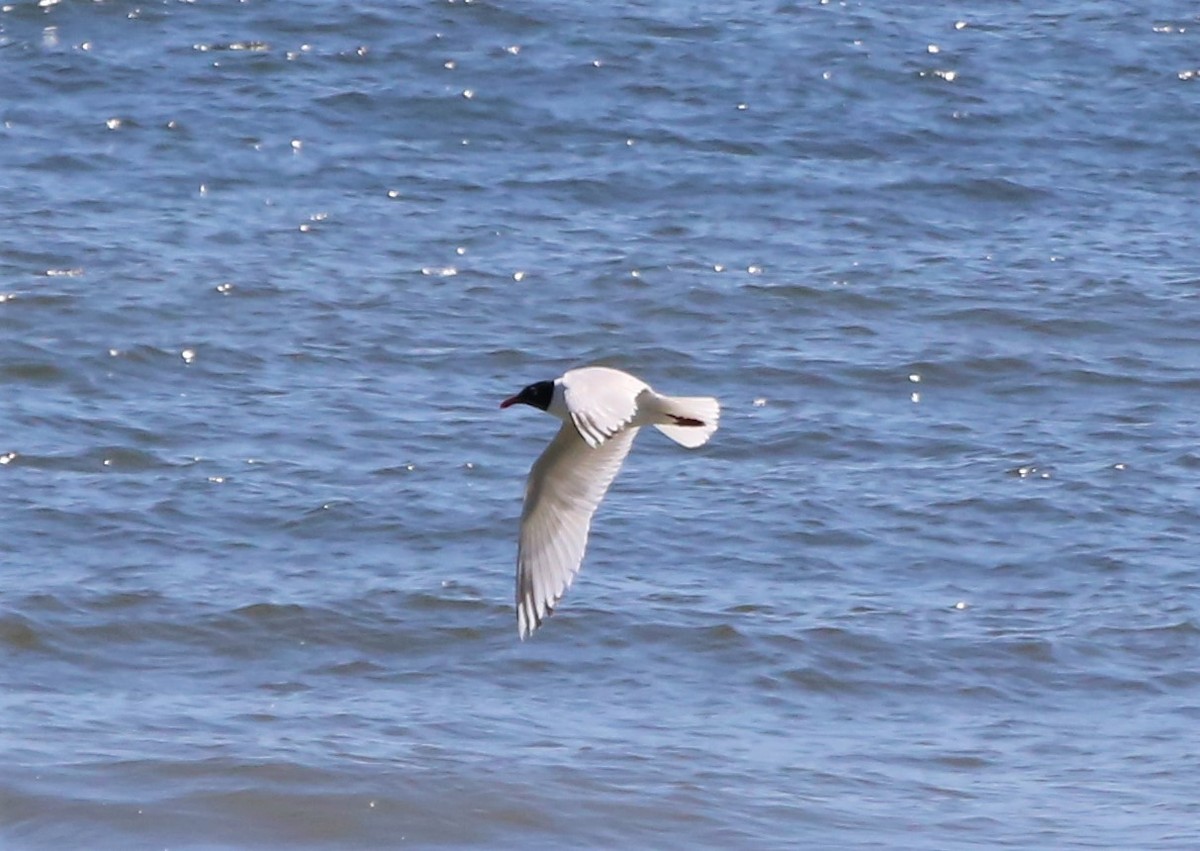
(565, 486)
(601, 401)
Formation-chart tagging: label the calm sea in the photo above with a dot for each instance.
(267, 269)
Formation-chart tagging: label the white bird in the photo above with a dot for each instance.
(602, 410)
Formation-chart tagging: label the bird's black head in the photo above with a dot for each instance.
(538, 395)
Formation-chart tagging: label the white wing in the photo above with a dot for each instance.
(565, 486)
(602, 401)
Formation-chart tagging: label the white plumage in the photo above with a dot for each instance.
(602, 410)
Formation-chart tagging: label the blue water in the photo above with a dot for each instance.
(267, 269)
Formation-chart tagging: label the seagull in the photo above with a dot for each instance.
(602, 410)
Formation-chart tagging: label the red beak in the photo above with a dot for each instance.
(511, 400)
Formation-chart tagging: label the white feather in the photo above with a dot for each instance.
(600, 401)
(565, 487)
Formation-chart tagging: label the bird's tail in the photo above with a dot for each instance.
(688, 420)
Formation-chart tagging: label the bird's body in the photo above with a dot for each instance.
(602, 410)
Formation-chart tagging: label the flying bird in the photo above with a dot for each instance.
(602, 410)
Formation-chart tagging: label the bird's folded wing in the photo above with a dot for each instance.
(565, 486)
(601, 401)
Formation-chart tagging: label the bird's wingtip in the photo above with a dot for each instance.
(529, 619)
